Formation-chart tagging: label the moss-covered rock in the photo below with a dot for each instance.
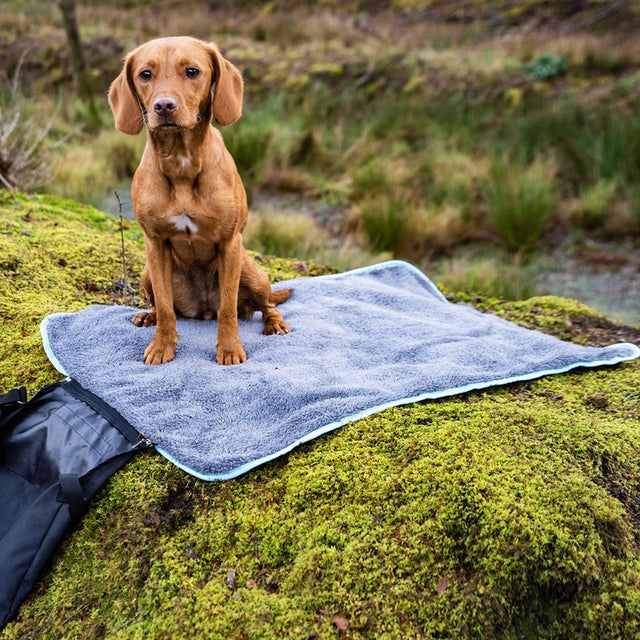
(55, 255)
(508, 513)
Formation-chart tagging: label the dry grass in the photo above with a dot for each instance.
(397, 118)
(88, 169)
(296, 235)
(24, 146)
(501, 277)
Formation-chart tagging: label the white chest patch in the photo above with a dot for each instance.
(183, 222)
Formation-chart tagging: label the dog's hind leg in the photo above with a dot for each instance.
(146, 318)
(272, 318)
(254, 285)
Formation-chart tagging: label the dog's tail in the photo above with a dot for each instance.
(280, 296)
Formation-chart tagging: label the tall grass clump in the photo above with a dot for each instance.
(610, 147)
(385, 221)
(520, 200)
(299, 236)
(276, 149)
(633, 201)
(493, 277)
(285, 235)
(385, 207)
(588, 144)
(92, 166)
(594, 206)
(248, 139)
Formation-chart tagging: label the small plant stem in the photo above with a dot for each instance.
(124, 262)
(9, 188)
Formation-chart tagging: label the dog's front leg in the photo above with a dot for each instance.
(230, 349)
(162, 347)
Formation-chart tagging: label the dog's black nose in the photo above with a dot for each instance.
(165, 106)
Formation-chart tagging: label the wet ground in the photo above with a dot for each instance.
(605, 276)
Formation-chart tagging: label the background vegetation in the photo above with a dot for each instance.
(473, 139)
(372, 129)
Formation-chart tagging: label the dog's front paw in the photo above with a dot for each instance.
(160, 350)
(273, 327)
(144, 319)
(233, 355)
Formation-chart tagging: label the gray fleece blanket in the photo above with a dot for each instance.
(361, 341)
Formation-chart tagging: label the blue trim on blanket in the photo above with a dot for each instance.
(47, 345)
(634, 352)
(432, 395)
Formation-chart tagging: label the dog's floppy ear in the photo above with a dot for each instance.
(227, 97)
(124, 103)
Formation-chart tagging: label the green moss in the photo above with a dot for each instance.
(55, 255)
(508, 513)
(567, 319)
(283, 269)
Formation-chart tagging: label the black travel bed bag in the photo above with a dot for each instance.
(56, 451)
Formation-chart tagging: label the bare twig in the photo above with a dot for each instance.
(604, 13)
(7, 184)
(24, 154)
(124, 262)
(79, 611)
(16, 74)
(130, 619)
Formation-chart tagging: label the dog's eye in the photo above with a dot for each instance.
(192, 72)
(145, 75)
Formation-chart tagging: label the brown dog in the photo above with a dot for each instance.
(188, 197)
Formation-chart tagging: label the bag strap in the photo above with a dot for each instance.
(11, 401)
(16, 399)
(108, 412)
(72, 494)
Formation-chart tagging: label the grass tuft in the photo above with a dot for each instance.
(493, 277)
(288, 236)
(521, 201)
(594, 206)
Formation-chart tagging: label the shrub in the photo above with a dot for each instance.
(546, 67)
(24, 151)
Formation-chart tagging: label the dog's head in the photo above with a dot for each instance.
(175, 82)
